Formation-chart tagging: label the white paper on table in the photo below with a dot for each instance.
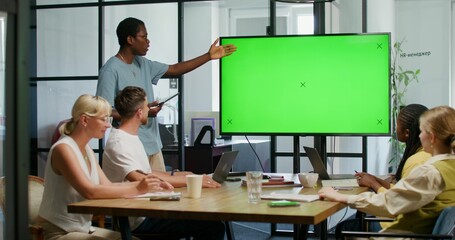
(160, 195)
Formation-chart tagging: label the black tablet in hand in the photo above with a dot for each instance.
(162, 101)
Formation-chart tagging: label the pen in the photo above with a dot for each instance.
(356, 171)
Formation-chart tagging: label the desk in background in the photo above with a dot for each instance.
(171, 157)
(203, 159)
(228, 203)
(247, 159)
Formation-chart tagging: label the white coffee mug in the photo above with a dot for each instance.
(308, 179)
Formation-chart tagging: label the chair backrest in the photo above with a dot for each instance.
(35, 195)
(445, 225)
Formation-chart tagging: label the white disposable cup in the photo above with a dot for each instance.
(194, 186)
(308, 179)
(254, 186)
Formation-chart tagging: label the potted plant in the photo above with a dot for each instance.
(400, 80)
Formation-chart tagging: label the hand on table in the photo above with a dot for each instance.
(208, 182)
(328, 193)
(151, 183)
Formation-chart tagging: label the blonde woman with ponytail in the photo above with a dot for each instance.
(417, 199)
(73, 174)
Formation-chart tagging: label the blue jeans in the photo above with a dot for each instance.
(206, 230)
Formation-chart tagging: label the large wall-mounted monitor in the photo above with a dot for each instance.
(306, 85)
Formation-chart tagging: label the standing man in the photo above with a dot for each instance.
(124, 159)
(129, 68)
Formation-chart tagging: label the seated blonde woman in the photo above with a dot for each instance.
(73, 174)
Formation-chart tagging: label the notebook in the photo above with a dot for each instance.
(319, 167)
(224, 166)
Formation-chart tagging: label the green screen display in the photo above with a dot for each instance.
(306, 85)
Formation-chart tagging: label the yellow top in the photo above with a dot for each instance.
(413, 161)
(415, 200)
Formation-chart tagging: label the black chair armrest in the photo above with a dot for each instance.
(348, 234)
(378, 219)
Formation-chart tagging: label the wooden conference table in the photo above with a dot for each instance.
(228, 203)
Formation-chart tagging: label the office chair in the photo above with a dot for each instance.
(35, 195)
(444, 228)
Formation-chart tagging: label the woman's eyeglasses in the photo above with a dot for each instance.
(106, 119)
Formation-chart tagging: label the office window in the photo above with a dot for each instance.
(48, 2)
(54, 102)
(67, 51)
(157, 19)
(67, 42)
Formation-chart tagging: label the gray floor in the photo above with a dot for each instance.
(244, 230)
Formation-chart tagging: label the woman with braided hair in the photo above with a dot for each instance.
(408, 132)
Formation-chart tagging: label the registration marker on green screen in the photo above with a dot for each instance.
(306, 85)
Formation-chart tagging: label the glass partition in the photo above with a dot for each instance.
(49, 2)
(161, 21)
(3, 18)
(67, 42)
(55, 100)
(67, 60)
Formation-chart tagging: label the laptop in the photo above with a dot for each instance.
(319, 167)
(224, 166)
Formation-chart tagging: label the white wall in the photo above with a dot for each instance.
(344, 16)
(426, 27)
(201, 30)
